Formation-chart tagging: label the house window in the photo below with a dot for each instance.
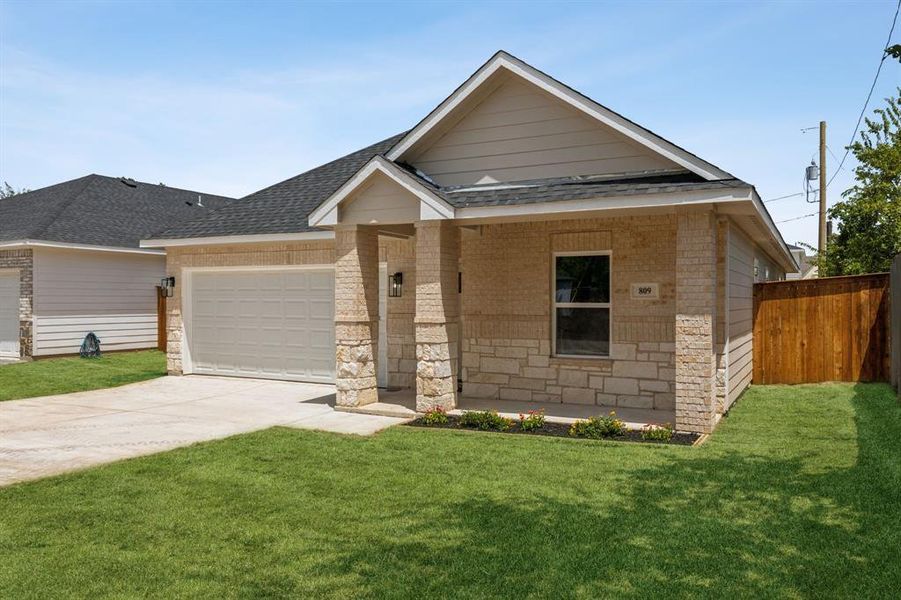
(581, 320)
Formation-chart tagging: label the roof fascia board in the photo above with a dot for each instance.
(380, 164)
(71, 246)
(568, 95)
(238, 239)
(773, 230)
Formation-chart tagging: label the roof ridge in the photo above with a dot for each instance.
(64, 204)
(164, 186)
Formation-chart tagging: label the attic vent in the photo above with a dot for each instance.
(129, 181)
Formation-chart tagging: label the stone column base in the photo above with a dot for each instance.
(436, 366)
(357, 349)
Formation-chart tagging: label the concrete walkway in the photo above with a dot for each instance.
(55, 434)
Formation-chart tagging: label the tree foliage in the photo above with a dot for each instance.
(869, 216)
(8, 191)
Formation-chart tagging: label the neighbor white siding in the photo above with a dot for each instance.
(110, 293)
(520, 132)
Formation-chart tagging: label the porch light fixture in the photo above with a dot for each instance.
(396, 285)
(167, 286)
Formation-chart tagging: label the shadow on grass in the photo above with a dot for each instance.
(714, 521)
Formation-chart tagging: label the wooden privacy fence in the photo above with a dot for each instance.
(896, 323)
(829, 329)
(160, 319)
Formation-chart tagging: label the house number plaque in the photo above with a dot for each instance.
(645, 291)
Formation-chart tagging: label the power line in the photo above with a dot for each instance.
(784, 197)
(798, 218)
(863, 111)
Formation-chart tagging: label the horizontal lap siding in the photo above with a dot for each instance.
(740, 314)
(109, 293)
(519, 132)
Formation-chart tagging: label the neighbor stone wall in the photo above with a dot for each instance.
(506, 313)
(23, 262)
(318, 252)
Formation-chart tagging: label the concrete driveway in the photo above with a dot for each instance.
(54, 434)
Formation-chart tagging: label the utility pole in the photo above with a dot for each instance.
(822, 241)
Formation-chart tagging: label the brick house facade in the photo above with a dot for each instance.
(549, 251)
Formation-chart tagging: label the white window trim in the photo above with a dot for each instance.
(555, 305)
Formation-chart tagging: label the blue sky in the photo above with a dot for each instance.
(231, 97)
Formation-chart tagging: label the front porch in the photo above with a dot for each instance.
(480, 325)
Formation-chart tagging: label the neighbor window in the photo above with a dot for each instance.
(582, 304)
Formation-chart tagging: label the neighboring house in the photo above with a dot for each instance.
(70, 263)
(522, 240)
(807, 268)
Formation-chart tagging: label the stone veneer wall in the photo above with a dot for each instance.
(237, 255)
(401, 335)
(506, 306)
(696, 272)
(23, 260)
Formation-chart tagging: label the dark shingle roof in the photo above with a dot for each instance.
(283, 207)
(100, 211)
(577, 189)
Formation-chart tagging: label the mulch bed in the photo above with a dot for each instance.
(560, 430)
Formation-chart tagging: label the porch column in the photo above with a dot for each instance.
(356, 314)
(695, 320)
(437, 314)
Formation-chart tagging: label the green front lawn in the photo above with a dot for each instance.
(797, 494)
(75, 374)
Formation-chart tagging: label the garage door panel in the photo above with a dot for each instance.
(274, 324)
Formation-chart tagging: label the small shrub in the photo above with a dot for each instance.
(598, 427)
(434, 416)
(486, 420)
(656, 432)
(532, 420)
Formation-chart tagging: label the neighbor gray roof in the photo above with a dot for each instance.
(100, 211)
(283, 207)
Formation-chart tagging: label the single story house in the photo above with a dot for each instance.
(70, 263)
(521, 242)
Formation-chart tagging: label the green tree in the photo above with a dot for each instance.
(869, 216)
(7, 191)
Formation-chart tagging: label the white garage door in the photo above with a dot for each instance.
(9, 314)
(271, 324)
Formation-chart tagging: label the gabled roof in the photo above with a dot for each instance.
(99, 211)
(417, 186)
(503, 61)
(283, 207)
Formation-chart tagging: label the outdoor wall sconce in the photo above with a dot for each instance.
(167, 286)
(395, 285)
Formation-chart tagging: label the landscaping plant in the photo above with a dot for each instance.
(434, 416)
(657, 432)
(598, 427)
(486, 420)
(532, 420)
